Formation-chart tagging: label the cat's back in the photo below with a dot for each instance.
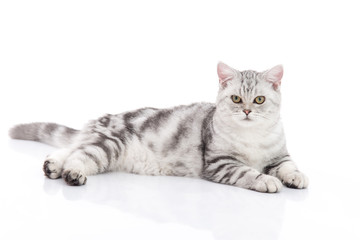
(149, 120)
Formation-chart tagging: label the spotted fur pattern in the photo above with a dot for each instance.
(217, 142)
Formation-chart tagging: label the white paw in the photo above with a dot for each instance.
(267, 183)
(52, 169)
(295, 179)
(74, 177)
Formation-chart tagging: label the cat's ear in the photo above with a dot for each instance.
(225, 73)
(275, 75)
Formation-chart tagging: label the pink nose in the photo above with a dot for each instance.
(247, 111)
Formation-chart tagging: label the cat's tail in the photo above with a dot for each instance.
(50, 133)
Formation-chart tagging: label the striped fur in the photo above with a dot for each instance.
(217, 142)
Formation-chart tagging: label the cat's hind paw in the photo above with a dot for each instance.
(74, 177)
(295, 179)
(52, 169)
(267, 183)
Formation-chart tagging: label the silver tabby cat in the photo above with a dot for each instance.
(237, 141)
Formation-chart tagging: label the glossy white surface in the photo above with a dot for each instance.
(117, 205)
(71, 61)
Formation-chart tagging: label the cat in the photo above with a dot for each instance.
(238, 141)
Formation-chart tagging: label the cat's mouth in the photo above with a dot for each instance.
(247, 118)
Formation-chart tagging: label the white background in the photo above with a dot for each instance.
(70, 61)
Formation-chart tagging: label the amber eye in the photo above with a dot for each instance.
(236, 99)
(259, 100)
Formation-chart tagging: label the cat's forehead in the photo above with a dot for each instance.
(248, 81)
(249, 75)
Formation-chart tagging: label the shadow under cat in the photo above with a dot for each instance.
(225, 211)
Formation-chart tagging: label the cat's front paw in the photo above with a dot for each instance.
(267, 183)
(74, 177)
(295, 179)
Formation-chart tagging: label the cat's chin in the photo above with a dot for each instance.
(248, 122)
(245, 121)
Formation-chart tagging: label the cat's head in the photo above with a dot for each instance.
(249, 98)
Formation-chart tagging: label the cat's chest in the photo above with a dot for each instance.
(256, 151)
(252, 154)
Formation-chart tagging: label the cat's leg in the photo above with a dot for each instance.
(53, 165)
(285, 169)
(90, 159)
(228, 170)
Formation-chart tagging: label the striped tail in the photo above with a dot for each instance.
(50, 133)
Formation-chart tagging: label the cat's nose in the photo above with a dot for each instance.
(247, 111)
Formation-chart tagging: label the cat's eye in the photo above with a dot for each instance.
(236, 99)
(259, 100)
